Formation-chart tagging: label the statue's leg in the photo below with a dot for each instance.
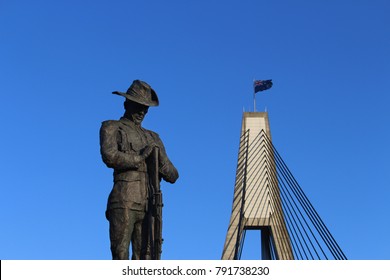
(138, 236)
(147, 240)
(121, 229)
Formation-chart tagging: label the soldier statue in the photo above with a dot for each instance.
(126, 147)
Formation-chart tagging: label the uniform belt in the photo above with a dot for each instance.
(131, 175)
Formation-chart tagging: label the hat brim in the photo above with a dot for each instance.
(138, 100)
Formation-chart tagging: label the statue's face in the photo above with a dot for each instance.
(137, 112)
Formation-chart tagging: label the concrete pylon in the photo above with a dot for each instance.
(256, 203)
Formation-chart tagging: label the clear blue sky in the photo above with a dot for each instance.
(328, 109)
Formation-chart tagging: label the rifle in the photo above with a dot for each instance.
(155, 213)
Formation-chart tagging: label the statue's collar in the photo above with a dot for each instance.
(128, 122)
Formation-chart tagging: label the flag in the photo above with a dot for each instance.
(261, 85)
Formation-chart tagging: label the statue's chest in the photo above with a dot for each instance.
(133, 138)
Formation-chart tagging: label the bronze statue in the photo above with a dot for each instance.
(139, 159)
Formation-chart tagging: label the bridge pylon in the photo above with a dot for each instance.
(257, 204)
(268, 198)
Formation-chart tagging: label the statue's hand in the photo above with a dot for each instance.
(147, 151)
(144, 154)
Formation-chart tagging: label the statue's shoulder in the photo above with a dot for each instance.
(110, 124)
(151, 132)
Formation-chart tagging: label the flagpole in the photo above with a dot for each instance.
(254, 96)
(254, 101)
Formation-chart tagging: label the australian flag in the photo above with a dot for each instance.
(261, 85)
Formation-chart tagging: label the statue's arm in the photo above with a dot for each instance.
(112, 156)
(166, 168)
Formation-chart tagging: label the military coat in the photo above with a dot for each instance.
(122, 144)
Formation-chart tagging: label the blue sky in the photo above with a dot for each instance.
(328, 110)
